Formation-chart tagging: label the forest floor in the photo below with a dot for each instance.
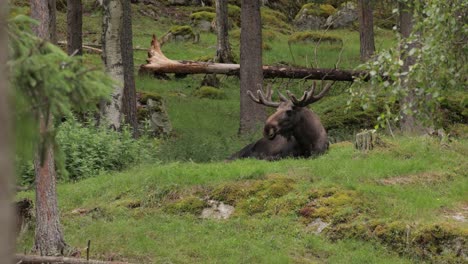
(404, 202)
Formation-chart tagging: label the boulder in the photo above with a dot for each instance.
(346, 15)
(179, 33)
(159, 120)
(152, 114)
(313, 16)
(202, 20)
(218, 210)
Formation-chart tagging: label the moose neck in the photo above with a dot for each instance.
(308, 132)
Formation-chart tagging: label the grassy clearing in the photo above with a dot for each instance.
(125, 213)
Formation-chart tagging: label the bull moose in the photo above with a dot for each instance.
(292, 131)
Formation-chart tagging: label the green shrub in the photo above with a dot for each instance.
(210, 92)
(88, 150)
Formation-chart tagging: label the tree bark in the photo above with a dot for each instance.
(52, 21)
(74, 27)
(112, 57)
(158, 63)
(223, 50)
(48, 236)
(251, 73)
(408, 123)
(129, 96)
(7, 239)
(366, 29)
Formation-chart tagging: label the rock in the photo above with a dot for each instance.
(218, 210)
(346, 15)
(179, 33)
(210, 80)
(202, 20)
(317, 226)
(313, 16)
(159, 120)
(151, 109)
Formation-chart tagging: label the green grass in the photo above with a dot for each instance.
(150, 234)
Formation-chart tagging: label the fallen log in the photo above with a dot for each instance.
(33, 259)
(158, 63)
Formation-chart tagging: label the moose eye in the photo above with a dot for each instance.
(289, 112)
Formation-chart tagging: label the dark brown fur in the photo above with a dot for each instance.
(292, 131)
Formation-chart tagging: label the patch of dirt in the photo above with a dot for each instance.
(459, 214)
(423, 177)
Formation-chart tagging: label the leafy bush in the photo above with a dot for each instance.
(86, 151)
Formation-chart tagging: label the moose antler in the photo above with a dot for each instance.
(265, 99)
(308, 96)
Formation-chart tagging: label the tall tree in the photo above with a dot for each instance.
(74, 27)
(251, 73)
(408, 123)
(366, 29)
(118, 59)
(6, 153)
(223, 50)
(129, 97)
(112, 57)
(48, 237)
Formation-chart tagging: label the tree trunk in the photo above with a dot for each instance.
(112, 57)
(408, 123)
(251, 73)
(129, 96)
(7, 239)
(74, 27)
(158, 63)
(366, 29)
(52, 21)
(223, 50)
(48, 237)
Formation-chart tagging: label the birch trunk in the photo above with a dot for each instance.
(112, 57)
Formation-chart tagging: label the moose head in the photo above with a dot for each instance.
(293, 130)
